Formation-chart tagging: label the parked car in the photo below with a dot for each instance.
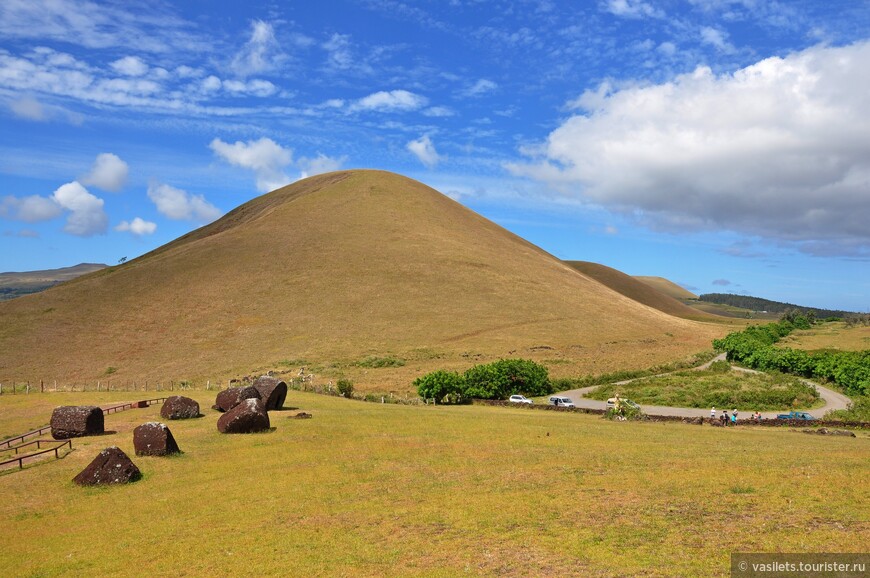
(795, 415)
(611, 403)
(519, 399)
(559, 401)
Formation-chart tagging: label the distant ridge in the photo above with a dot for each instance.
(15, 284)
(766, 305)
(667, 287)
(330, 270)
(638, 290)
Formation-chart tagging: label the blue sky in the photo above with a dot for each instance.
(723, 144)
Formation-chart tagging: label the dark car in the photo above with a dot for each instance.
(795, 415)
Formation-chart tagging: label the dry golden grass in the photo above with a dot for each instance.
(647, 292)
(381, 490)
(667, 287)
(834, 335)
(330, 270)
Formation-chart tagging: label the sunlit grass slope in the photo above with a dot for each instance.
(385, 490)
(332, 269)
(834, 335)
(667, 287)
(639, 291)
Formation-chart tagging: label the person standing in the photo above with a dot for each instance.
(713, 413)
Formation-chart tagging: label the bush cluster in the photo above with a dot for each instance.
(754, 347)
(497, 380)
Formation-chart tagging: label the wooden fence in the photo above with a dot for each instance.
(56, 445)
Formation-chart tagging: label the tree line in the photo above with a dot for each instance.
(759, 304)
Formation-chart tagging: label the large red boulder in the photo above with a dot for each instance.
(73, 421)
(111, 466)
(272, 390)
(179, 407)
(248, 417)
(154, 439)
(233, 396)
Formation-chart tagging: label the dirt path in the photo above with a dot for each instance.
(832, 399)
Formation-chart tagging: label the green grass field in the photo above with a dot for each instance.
(703, 389)
(386, 490)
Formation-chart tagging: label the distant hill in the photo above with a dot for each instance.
(759, 304)
(667, 287)
(640, 291)
(23, 283)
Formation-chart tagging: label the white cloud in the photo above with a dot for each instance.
(718, 39)
(632, 9)
(780, 149)
(394, 100)
(265, 157)
(130, 66)
(179, 205)
(339, 53)
(319, 165)
(32, 209)
(438, 112)
(145, 27)
(479, 88)
(425, 151)
(260, 53)
(87, 217)
(137, 226)
(29, 108)
(108, 173)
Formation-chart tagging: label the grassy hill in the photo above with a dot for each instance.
(667, 287)
(17, 284)
(326, 272)
(639, 291)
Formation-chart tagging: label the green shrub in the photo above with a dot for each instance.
(345, 387)
(440, 384)
(720, 367)
(503, 378)
(375, 362)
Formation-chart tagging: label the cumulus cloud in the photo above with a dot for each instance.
(260, 53)
(137, 226)
(265, 157)
(130, 66)
(87, 217)
(180, 205)
(424, 150)
(108, 173)
(392, 101)
(32, 209)
(780, 149)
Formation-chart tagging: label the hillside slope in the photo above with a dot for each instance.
(667, 287)
(328, 270)
(638, 290)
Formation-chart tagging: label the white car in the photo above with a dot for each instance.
(559, 401)
(519, 399)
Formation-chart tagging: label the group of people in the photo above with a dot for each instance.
(725, 418)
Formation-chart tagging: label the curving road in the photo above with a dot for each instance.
(832, 399)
